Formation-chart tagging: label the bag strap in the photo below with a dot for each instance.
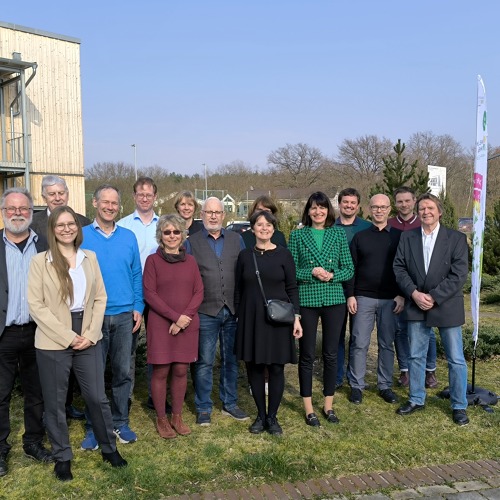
(258, 278)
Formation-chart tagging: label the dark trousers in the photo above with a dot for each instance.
(54, 367)
(332, 318)
(17, 349)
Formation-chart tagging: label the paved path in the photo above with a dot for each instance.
(460, 481)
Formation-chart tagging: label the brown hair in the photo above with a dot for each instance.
(265, 201)
(59, 262)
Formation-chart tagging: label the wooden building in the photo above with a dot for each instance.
(40, 111)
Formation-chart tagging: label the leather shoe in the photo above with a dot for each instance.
(74, 413)
(62, 470)
(37, 452)
(431, 380)
(460, 417)
(114, 458)
(257, 427)
(388, 396)
(312, 420)
(3, 464)
(356, 396)
(330, 416)
(404, 379)
(409, 408)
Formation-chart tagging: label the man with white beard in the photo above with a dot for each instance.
(18, 244)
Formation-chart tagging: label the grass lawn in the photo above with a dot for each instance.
(370, 437)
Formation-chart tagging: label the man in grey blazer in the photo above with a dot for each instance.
(55, 192)
(431, 267)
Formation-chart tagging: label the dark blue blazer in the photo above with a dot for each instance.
(444, 280)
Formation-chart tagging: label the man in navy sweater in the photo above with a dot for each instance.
(120, 262)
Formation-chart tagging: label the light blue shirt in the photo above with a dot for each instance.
(18, 264)
(145, 234)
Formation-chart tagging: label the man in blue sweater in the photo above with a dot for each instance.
(119, 259)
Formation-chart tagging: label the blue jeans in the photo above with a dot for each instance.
(418, 335)
(223, 328)
(369, 311)
(403, 348)
(117, 342)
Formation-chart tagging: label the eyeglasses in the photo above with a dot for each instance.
(61, 226)
(382, 208)
(147, 196)
(213, 212)
(168, 232)
(14, 210)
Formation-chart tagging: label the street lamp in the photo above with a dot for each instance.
(135, 159)
(206, 182)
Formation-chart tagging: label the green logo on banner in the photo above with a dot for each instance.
(484, 121)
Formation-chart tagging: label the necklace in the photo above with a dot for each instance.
(261, 250)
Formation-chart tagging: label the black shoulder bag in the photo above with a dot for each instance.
(278, 311)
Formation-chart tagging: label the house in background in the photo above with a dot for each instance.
(40, 111)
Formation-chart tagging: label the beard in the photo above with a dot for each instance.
(17, 224)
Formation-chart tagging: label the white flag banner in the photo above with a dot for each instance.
(479, 211)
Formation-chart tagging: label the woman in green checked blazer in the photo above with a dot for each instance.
(323, 261)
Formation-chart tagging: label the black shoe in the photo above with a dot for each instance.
(37, 452)
(356, 396)
(62, 470)
(115, 459)
(3, 464)
(312, 420)
(273, 427)
(409, 408)
(74, 413)
(460, 417)
(331, 417)
(388, 396)
(257, 427)
(151, 406)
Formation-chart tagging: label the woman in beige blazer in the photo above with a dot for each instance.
(67, 299)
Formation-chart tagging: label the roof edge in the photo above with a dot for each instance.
(34, 31)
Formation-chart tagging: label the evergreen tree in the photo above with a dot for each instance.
(491, 245)
(398, 172)
(449, 217)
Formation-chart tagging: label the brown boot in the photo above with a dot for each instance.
(164, 429)
(431, 380)
(179, 425)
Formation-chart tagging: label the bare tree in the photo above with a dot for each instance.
(445, 151)
(364, 156)
(296, 165)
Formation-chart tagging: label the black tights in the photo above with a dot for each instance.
(257, 379)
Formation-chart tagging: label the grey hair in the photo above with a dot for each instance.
(103, 187)
(18, 190)
(174, 220)
(51, 180)
(211, 198)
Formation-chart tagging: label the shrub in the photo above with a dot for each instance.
(488, 343)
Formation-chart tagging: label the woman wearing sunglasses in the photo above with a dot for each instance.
(174, 291)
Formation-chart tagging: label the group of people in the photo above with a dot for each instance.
(90, 285)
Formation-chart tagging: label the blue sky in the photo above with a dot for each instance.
(193, 82)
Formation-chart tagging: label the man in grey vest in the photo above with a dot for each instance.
(216, 252)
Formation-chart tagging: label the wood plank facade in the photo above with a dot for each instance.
(53, 111)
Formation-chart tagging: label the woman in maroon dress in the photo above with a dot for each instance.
(173, 290)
